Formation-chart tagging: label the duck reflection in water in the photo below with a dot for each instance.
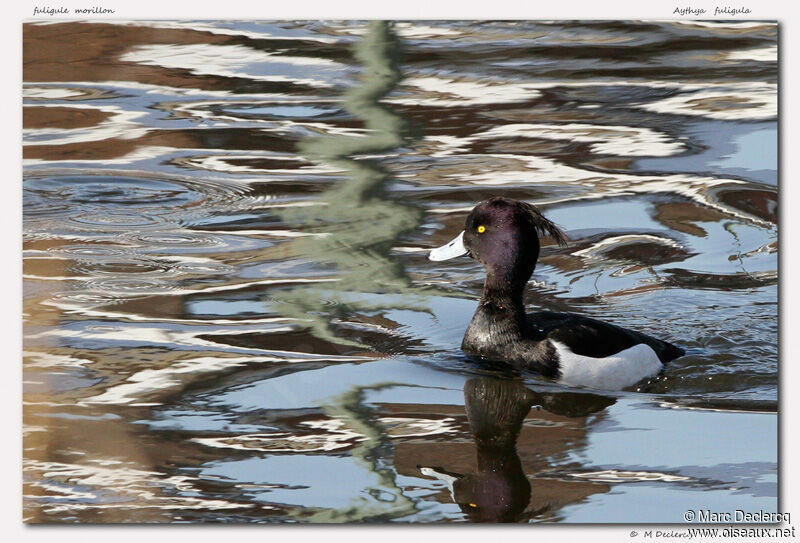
(499, 491)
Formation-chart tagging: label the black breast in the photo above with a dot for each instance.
(498, 336)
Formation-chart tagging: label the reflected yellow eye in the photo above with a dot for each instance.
(481, 229)
(473, 504)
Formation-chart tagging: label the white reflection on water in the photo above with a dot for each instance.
(236, 61)
(753, 102)
(605, 140)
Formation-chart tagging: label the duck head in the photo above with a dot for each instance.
(503, 235)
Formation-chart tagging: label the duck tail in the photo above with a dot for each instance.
(670, 352)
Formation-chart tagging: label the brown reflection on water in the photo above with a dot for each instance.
(61, 117)
(77, 447)
(508, 477)
(94, 56)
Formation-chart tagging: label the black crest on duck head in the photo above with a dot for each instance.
(542, 225)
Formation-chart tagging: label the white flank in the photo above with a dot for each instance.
(611, 373)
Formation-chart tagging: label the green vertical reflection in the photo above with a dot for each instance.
(383, 500)
(356, 222)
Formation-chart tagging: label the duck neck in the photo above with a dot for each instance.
(500, 459)
(503, 294)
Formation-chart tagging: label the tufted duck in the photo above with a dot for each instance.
(503, 235)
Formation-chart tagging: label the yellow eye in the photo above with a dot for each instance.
(473, 504)
(481, 229)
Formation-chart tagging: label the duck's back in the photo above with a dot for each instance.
(585, 336)
(597, 354)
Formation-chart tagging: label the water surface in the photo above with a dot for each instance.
(229, 315)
